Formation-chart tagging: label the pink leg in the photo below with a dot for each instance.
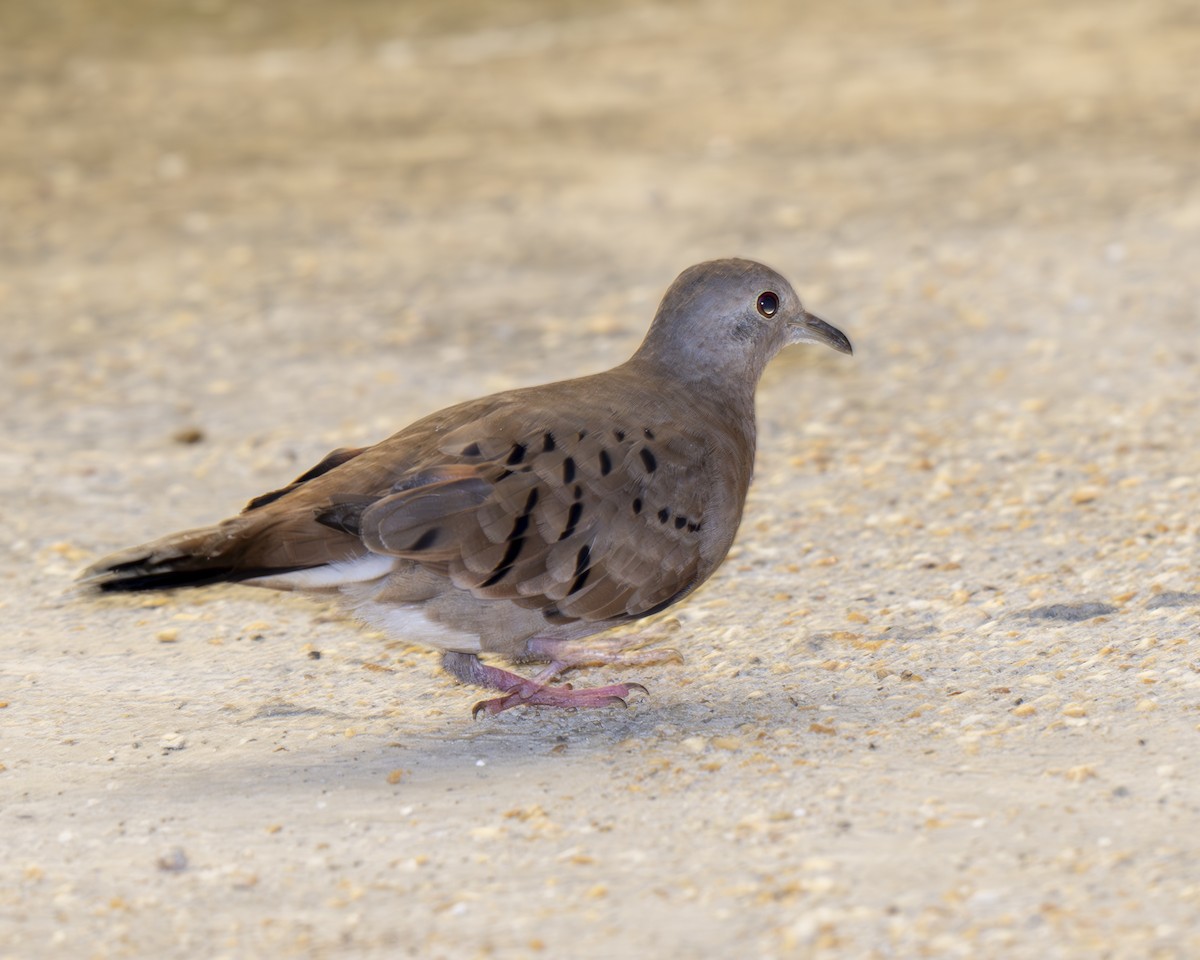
(535, 691)
(614, 651)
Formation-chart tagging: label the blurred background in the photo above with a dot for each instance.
(433, 180)
(235, 235)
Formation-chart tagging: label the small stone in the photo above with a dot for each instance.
(188, 435)
(173, 861)
(172, 743)
(1070, 612)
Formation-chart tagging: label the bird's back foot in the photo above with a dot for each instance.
(518, 691)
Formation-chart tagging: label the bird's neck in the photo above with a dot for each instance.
(728, 394)
(720, 410)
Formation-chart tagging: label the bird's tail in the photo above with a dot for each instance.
(193, 558)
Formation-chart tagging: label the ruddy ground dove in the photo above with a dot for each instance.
(523, 523)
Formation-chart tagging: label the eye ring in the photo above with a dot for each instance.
(768, 304)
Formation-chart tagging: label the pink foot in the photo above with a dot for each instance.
(524, 692)
(618, 652)
(531, 695)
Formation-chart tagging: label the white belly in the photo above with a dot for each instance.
(370, 566)
(358, 581)
(410, 622)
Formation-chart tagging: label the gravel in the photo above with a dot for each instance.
(942, 700)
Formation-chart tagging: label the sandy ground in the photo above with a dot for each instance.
(943, 700)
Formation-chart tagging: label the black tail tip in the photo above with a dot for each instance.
(135, 576)
(135, 583)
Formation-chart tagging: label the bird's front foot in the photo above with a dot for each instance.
(521, 691)
(530, 694)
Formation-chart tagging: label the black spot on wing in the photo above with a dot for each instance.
(427, 539)
(583, 560)
(506, 563)
(573, 516)
(520, 525)
(578, 583)
(516, 541)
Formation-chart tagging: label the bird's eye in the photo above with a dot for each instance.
(768, 303)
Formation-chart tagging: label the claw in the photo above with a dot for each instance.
(562, 696)
(518, 691)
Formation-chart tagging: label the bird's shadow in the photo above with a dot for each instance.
(290, 747)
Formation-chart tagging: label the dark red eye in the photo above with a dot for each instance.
(768, 303)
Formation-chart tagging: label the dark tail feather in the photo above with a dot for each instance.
(128, 581)
(195, 558)
(143, 577)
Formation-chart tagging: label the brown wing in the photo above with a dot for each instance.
(553, 514)
(578, 499)
(334, 459)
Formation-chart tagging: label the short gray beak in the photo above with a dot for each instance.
(812, 329)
